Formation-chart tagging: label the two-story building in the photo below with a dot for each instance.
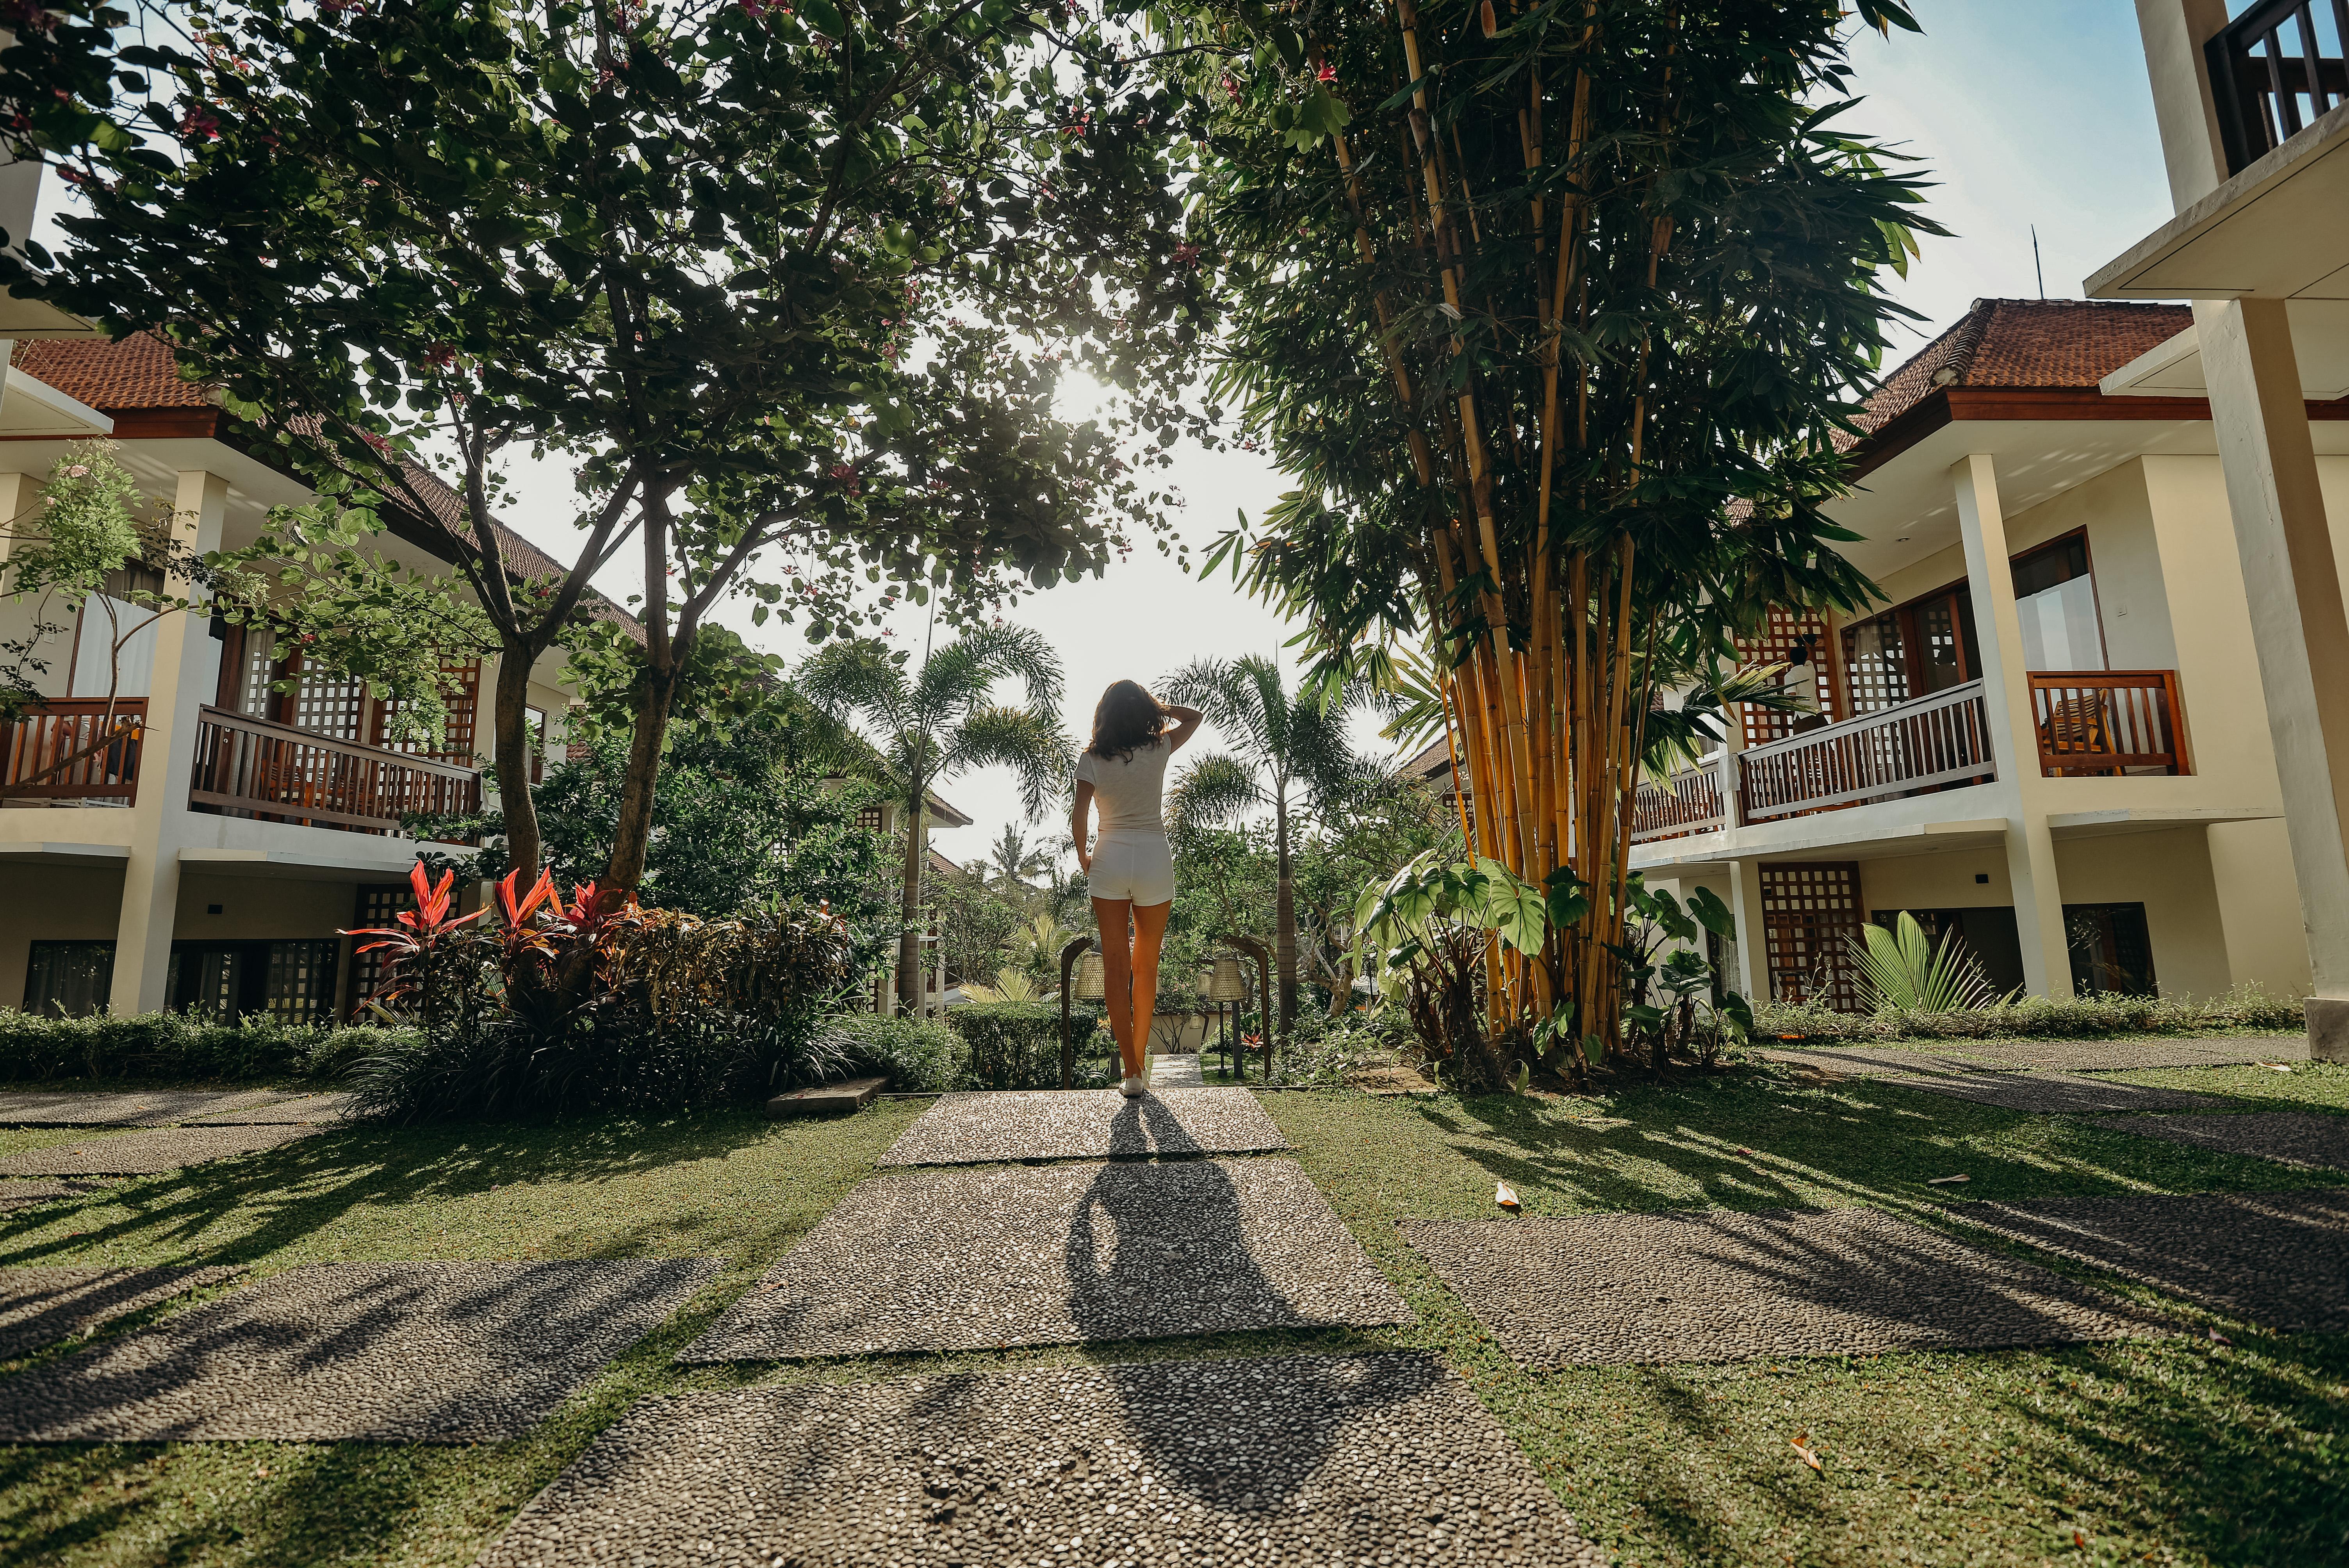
(2050, 735)
(210, 861)
(2252, 103)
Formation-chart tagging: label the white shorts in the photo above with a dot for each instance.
(1138, 867)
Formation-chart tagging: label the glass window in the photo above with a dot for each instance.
(69, 979)
(1945, 643)
(2055, 600)
(1875, 665)
(2111, 954)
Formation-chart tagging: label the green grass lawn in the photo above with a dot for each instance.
(2178, 1451)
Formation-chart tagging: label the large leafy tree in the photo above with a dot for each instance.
(755, 270)
(1287, 749)
(1555, 315)
(931, 725)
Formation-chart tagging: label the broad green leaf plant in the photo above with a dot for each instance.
(1908, 972)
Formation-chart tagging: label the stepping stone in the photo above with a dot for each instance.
(149, 1152)
(133, 1107)
(2055, 1094)
(2135, 1056)
(1059, 1254)
(1319, 1460)
(301, 1109)
(42, 1306)
(2277, 1258)
(1858, 1063)
(1084, 1124)
(2289, 1137)
(825, 1099)
(433, 1352)
(1392, 1082)
(25, 1194)
(1709, 1284)
(1176, 1071)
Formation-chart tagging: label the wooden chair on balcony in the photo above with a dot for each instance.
(2078, 726)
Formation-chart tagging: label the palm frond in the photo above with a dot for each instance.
(1215, 790)
(1029, 743)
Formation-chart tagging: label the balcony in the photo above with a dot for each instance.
(2090, 723)
(75, 748)
(89, 750)
(2274, 72)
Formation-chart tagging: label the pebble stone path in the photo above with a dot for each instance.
(1088, 1124)
(39, 1306)
(1287, 1461)
(25, 1194)
(1710, 1285)
(2054, 1094)
(1176, 1070)
(130, 1108)
(1058, 1254)
(2278, 1258)
(432, 1353)
(150, 1152)
(2310, 1138)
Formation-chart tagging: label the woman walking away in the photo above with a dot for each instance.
(1129, 867)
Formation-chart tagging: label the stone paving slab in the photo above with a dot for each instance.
(2134, 1056)
(25, 1194)
(150, 1152)
(1888, 1062)
(2054, 1094)
(1713, 1285)
(1058, 1254)
(826, 1099)
(1305, 1460)
(39, 1306)
(1176, 1070)
(290, 1110)
(1084, 1124)
(2290, 1137)
(422, 1352)
(2277, 1258)
(128, 1108)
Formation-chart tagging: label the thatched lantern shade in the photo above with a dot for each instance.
(1226, 982)
(1089, 982)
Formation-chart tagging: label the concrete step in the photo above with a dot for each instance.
(825, 1099)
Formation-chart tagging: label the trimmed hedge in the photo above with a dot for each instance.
(913, 1054)
(181, 1046)
(2034, 1017)
(1016, 1045)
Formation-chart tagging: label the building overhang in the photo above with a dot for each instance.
(370, 858)
(2320, 343)
(47, 853)
(32, 409)
(1818, 838)
(2119, 820)
(2279, 229)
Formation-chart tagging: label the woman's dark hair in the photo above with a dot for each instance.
(1127, 719)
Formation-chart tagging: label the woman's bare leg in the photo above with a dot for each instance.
(1115, 917)
(1149, 933)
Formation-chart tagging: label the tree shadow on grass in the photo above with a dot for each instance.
(298, 1188)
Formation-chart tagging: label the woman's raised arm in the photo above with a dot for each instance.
(1187, 724)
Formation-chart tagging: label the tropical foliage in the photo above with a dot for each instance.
(931, 725)
(1555, 317)
(1908, 972)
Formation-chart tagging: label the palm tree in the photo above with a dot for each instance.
(942, 721)
(1015, 860)
(1287, 750)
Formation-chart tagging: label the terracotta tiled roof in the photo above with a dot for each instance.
(135, 372)
(2027, 343)
(140, 373)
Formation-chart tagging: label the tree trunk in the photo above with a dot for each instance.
(512, 718)
(632, 835)
(909, 944)
(1285, 913)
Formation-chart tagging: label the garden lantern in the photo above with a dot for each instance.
(1092, 981)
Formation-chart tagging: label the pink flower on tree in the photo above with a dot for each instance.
(199, 124)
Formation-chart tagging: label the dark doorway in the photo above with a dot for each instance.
(1988, 933)
(2111, 954)
(293, 982)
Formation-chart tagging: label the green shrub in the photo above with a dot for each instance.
(913, 1054)
(1331, 1051)
(1016, 1045)
(2038, 1017)
(190, 1048)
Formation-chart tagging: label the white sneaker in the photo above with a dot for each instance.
(1132, 1087)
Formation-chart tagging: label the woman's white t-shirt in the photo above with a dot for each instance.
(1128, 788)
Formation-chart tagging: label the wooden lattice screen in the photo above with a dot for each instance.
(378, 903)
(300, 986)
(460, 689)
(1774, 644)
(1810, 915)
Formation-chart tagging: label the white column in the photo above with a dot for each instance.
(1751, 960)
(2014, 730)
(2300, 627)
(2173, 32)
(182, 684)
(20, 495)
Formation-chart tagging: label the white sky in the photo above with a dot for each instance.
(2027, 114)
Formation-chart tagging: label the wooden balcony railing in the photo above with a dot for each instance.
(1935, 740)
(2110, 722)
(1688, 802)
(254, 768)
(2269, 62)
(75, 731)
